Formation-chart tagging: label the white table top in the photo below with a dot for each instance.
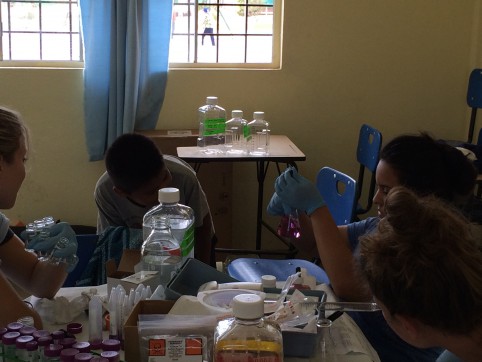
(344, 325)
(281, 149)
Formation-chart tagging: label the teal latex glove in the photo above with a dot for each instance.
(298, 192)
(276, 207)
(51, 245)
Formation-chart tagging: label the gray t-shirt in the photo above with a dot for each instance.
(115, 210)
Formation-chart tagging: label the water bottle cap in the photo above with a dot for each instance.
(168, 195)
(237, 114)
(212, 100)
(248, 306)
(258, 115)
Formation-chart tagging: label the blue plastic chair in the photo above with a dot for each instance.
(252, 269)
(367, 155)
(338, 191)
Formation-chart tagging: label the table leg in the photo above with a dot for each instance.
(261, 170)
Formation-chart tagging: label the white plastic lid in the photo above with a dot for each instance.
(258, 115)
(237, 114)
(212, 100)
(168, 195)
(268, 281)
(248, 306)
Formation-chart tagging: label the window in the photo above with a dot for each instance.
(45, 30)
(225, 33)
(205, 33)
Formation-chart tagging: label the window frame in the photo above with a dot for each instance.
(278, 6)
(16, 63)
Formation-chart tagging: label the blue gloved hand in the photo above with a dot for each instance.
(51, 246)
(298, 192)
(276, 207)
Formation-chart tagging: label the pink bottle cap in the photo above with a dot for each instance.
(74, 328)
(21, 342)
(41, 333)
(82, 346)
(83, 357)
(67, 342)
(111, 345)
(52, 350)
(10, 337)
(68, 354)
(32, 346)
(44, 341)
(27, 330)
(112, 356)
(14, 326)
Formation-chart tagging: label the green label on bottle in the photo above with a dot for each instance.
(246, 132)
(187, 243)
(214, 126)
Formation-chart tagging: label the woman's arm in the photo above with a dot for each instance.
(13, 307)
(42, 279)
(337, 257)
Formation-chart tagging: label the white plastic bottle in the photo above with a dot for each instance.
(181, 219)
(236, 134)
(247, 336)
(161, 252)
(259, 135)
(212, 123)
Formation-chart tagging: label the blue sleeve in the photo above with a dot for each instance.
(448, 357)
(357, 229)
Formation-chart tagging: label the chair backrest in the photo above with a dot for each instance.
(474, 99)
(367, 155)
(338, 191)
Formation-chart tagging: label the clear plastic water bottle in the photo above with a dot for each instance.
(181, 219)
(236, 134)
(41, 228)
(212, 123)
(259, 135)
(247, 336)
(161, 252)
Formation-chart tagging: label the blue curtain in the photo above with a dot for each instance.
(126, 55)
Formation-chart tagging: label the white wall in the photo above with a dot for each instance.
(401, 66)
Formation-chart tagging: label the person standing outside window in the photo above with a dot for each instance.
(207, 23)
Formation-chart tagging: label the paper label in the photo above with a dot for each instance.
(214, 126)
(180, 349)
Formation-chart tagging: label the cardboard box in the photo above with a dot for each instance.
(131, 335)
(125, 274)
(169, 140)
